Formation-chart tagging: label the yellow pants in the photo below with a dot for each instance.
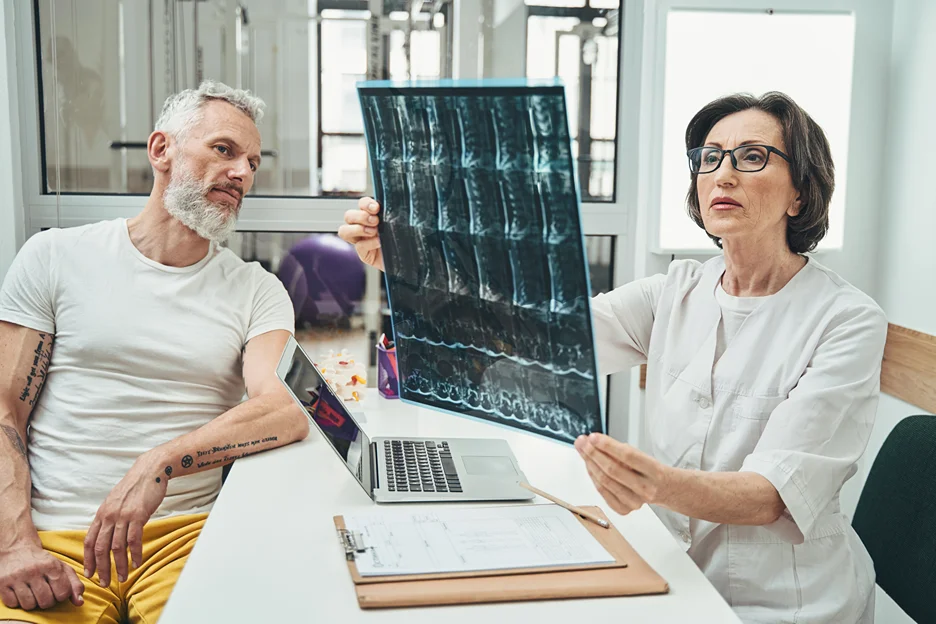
(141, 598)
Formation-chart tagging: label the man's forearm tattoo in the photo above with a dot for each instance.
(219, 455)
(168, 472)
(229, 452)
(36, 376)
(15, 440)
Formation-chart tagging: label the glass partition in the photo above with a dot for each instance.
(106, 67)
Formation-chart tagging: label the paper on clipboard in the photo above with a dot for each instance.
(470, 540)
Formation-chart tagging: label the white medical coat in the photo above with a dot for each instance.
(793, 398)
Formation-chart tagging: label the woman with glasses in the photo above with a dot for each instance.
(763, 373)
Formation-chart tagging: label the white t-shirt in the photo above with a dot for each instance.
(143, 354)
(733, 312)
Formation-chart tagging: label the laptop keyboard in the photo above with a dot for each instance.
(420, 466)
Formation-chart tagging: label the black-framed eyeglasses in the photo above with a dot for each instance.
(747, 158)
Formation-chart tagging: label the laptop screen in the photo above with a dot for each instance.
(329, 414)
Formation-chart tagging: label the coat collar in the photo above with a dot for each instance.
(706, 315)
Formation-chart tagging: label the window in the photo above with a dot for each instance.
(579, 44)
(343, 63)
(343, 59)
(106, 67)
(765, 52)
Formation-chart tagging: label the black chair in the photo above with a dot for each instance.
(896, 516)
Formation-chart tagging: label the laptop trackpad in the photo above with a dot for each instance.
(488, 466)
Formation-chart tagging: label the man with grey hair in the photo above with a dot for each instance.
(126, 348)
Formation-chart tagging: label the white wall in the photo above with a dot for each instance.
(908, 210)
(11, 209)
(907, 215)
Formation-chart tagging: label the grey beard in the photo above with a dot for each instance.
(185, 199)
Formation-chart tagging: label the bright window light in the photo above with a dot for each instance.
(344, 14)
(557, 3)
(807, 56)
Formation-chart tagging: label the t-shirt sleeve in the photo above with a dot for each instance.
(272, 308)
(814, 438)
(26, 297)
(623, 322)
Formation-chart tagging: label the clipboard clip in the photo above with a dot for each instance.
(352, 542)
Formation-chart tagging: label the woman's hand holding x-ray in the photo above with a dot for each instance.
(360, 229)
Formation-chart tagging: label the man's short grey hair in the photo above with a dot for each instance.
(184, 109)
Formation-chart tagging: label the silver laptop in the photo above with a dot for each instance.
(402, 469)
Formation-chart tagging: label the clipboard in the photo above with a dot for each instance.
(629, 575)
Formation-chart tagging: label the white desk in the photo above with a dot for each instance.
(269, 552)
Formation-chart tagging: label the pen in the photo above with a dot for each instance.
(576, 510)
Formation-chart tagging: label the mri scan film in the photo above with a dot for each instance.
(485, 265)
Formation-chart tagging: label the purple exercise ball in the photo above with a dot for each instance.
(324, 278)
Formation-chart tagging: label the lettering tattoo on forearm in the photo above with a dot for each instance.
(229, 452)
(36, 377)
(219, 455)
(15, 440)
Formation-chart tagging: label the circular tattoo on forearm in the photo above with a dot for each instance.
(187, 461)
(158, 480)
(168, 471)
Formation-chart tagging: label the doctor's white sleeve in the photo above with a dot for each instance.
(623, 320)
(813, 439)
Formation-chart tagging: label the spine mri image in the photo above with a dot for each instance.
(485, 262)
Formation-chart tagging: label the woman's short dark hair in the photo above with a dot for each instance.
(811, 168)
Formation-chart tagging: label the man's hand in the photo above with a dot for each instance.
(360, 229)
(120, 518)
(624, 476)
(30, 577)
